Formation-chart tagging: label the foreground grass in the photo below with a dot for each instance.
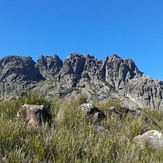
(70, 137)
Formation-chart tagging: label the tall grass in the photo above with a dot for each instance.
(71, 137)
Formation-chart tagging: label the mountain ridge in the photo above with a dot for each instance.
(113, 77)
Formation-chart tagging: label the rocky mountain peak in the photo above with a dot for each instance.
(18, 67)
(17, 75)
(49, 66)
(115, 57)
(73, 64)
(113, 77)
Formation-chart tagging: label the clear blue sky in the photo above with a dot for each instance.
(129, 28)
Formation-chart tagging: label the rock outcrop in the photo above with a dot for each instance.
(17, 75)
(112, 78)
(152, 139)
(145, 91)
(18, 68)
(34, 115)
(49, 66)
(90, 109)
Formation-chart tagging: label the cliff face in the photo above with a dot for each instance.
(18, 68)
(111, 78)
(17, 75)
(49, 66)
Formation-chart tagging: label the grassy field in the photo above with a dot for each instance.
(71, 138)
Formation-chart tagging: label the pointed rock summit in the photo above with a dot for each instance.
(49, 66)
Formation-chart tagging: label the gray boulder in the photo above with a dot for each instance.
(90, 109)
(34, 114)
(152, 139)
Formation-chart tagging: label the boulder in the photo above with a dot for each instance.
(90, 110)
(152, 139)
(98, 129)
(123, 110)
(98, 117)
(112, 111)
(34, 114)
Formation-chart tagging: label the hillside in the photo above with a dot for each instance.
(74, 137)
(112, 78)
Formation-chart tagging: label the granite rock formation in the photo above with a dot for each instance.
(49, 66)
(111, 78)
(18, 75)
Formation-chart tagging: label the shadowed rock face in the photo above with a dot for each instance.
(18, 68)
(73, 64)
(153, 139)
(49, 66)
(118, 72)
(18, 75)
(111, 78)
(34, 114)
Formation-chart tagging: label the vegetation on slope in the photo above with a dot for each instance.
(71, 137)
